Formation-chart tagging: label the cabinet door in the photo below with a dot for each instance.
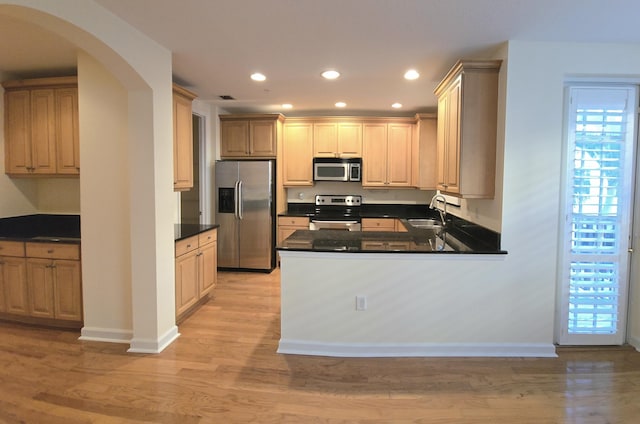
(325, 139)
(378, 224)
(448, 139)
(67, 131)
(207, 268)
(43, 132)
(374, 155)
(350, 139)
(182, 143)
(186, 281)
(40, 286)
(452, 147)
(67, 290)
(288, 225)
(262, 138)
(298, 154)
(13, 285)
(441, 140)
(399, 140)
(234, 138)
(18, 132)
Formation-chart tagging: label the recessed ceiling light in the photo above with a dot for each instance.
(411, 74)
(396, 105)
(341, 104)
(330, 74)
(287, 105)
(258, 77)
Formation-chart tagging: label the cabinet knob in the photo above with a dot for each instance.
(50, 251)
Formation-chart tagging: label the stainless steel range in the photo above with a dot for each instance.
(337, 212)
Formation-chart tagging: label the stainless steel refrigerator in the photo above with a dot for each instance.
(245, 211)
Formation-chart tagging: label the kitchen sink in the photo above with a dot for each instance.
(426, 223)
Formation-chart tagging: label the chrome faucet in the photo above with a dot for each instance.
(434, 205)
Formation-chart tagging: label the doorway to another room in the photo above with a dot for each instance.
(191, 201)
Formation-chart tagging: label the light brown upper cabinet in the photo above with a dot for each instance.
(337, 139)
(424, 153)
(466, 129)
(182, 138)
(386, 154)
(249, 135)
(297, 153)
(41, 127)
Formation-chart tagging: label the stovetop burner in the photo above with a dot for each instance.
(337, 207)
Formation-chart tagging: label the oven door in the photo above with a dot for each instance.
(335, 225)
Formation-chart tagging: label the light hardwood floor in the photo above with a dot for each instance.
(224, 369)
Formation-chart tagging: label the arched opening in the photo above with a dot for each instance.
(126, 197)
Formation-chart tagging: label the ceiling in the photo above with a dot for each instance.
(217, 44)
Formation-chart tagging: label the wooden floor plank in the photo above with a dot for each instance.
(224, 369)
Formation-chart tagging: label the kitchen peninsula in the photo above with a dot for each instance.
(419, 292)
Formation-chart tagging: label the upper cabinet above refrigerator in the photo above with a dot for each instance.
(250, 136)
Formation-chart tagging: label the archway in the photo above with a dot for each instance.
(127, 240)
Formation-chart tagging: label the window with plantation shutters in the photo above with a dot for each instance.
(600, 146)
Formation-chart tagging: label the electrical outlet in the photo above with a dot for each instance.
(361, 303)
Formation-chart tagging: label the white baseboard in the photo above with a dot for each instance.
(108, 335)
(154, 346)
(372, 350)
(635, 342)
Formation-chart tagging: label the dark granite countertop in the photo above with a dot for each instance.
(414, 241)
(66, 228)
(41, 228)
(368, 210)
(183, 231)
(458, 236)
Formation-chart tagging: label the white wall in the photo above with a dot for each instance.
(106, 258)
(417, 305)
(533, 161)
(58, 195)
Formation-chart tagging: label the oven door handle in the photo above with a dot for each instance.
(315, 221)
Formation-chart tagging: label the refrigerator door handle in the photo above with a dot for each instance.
(240, 200)
(235, 198)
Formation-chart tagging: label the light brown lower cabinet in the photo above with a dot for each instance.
(196, 270)
(288, 225)
(41, 281)
(13, 285)
(379, 224)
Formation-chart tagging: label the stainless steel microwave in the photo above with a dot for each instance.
(337, 169)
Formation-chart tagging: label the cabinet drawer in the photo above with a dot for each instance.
(12, 248)
(207, 237)
(296, 221)
(53, 251)
(186, 245)
(378, 224)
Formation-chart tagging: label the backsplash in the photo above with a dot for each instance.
(390, 196)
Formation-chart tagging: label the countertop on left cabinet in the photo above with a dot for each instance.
(41, 228)
(40, 270)
(183, 231)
